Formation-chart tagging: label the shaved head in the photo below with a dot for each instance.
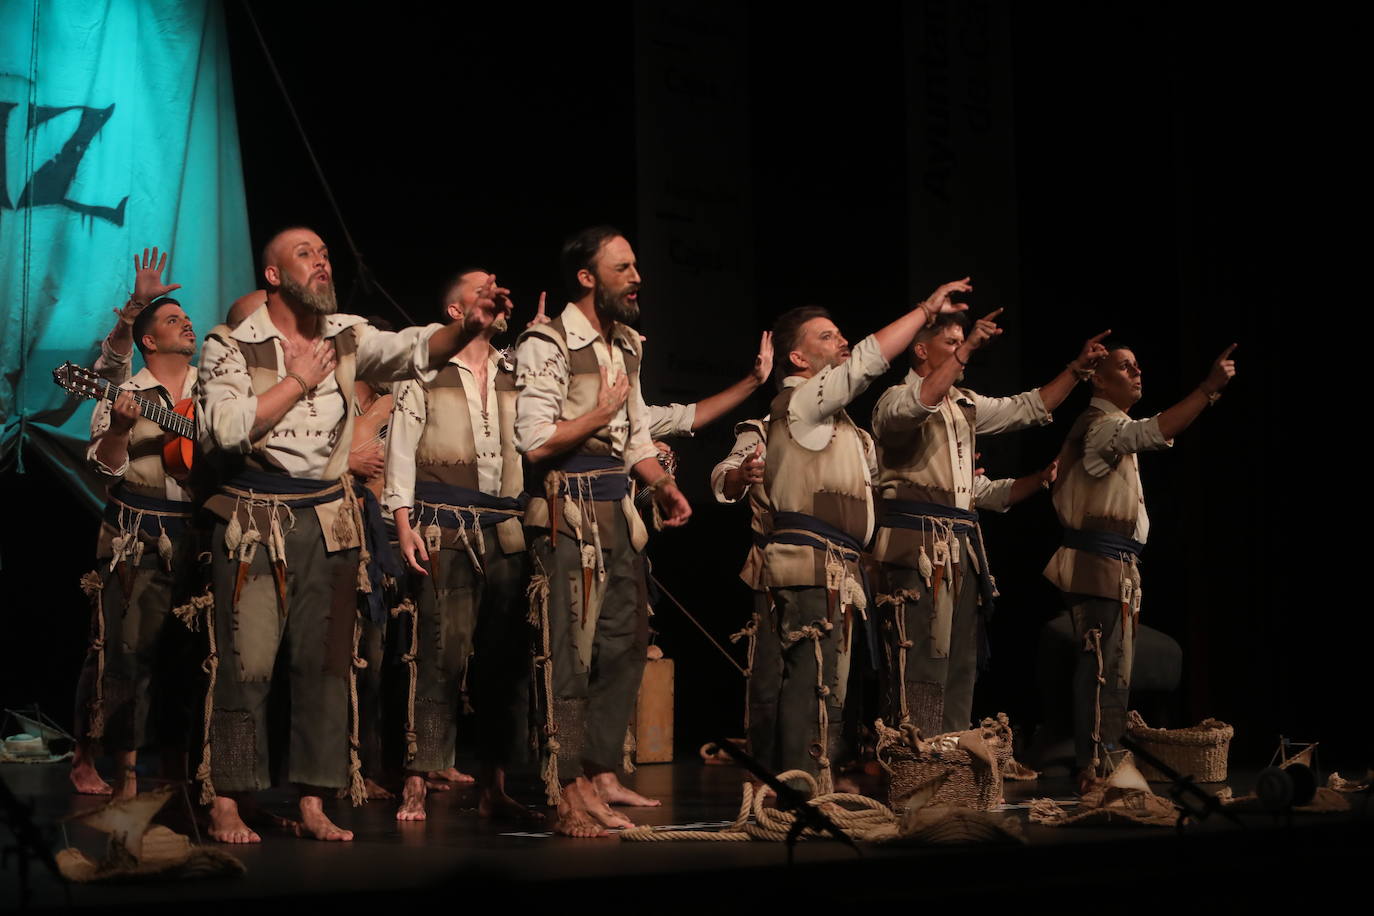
(244, 306)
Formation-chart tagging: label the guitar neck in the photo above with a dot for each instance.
(154, 410)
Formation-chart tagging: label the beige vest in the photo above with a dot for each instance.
(584, 384)
(447, 450)
(1109, 503)
(146, 475)
(264, 371)
(830, 484)
(915, 465)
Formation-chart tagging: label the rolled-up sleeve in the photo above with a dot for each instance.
(224, 420)
(1001, 415)
(388, 356)
(640, 445)
(671, 420)
(900, 409)
(746, 441)
(100, 425)
(993, 495)
(1114, 436)
(833, 388)
(113, 365)
(541, 374)
(407, 424)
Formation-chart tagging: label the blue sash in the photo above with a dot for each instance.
(1102, 543)
(123, 501)
(603, 487)
(471, 501)
(304, 491)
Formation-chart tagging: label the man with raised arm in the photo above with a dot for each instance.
(455, 486)
(582, 424)
(276, 412)
(143, 548)
(818, 472)
(938, 591)
(1101, 504)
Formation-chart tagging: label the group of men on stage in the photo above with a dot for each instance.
(486, 534)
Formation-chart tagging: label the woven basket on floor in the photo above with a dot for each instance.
(1199, 752)
(969, 784)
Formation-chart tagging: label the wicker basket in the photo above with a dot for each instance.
(969, 784)
(1199, 752)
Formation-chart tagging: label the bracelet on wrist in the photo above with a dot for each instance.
(955, 353)
(1211, 396)
(664, 481)
(305, 389)
(1081, 373)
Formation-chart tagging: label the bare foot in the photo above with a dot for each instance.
(610, 790)
(225, 824)
(573, 818)
(494, 803)
(87, 781)
(376, 791)
(412, 799)
(1084, 779)
(598, 808)
(451, 775)
(317, 824)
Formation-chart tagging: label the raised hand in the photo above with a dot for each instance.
(1223, 370)
(492, 301)
(1092, 354)
(984, 329)
(751, 469)
(148, 285)
(763, 362)
(940, 302)
(124, 413)
(539, 316)
(311, 360)
(612, 396)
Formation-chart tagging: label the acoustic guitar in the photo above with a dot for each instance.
(178, 421)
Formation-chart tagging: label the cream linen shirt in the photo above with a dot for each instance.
(901, 411)
(1115, 437)
(541, 374)
(301, 443)
(408, 422)
(746, 440)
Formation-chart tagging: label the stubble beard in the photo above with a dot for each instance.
(321, 303)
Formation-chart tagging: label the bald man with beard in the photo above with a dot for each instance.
(276, 414)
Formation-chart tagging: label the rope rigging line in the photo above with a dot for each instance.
(365, 275)
(669, 595)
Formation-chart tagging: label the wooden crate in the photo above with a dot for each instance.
(653, 720)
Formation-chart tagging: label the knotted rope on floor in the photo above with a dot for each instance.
(872, 821)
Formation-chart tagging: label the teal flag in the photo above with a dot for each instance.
(117, 132)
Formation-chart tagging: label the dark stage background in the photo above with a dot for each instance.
(1151, 170)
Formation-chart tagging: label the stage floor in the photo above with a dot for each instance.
(454, 853)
